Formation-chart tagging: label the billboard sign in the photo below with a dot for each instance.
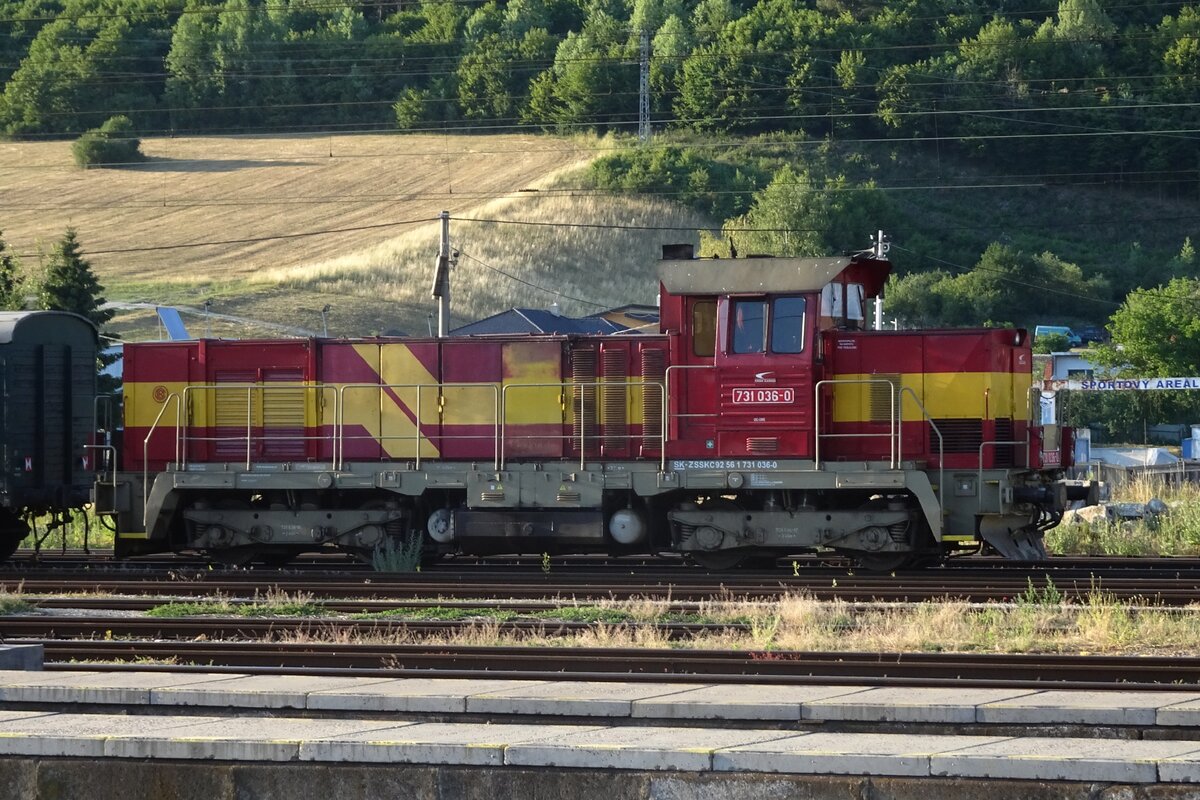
(1123, 384)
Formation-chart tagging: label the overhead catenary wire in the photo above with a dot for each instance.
(516, 122)
(530, 284)
(378, 6)
(254, 239)
(1188, 133)
(532, 223)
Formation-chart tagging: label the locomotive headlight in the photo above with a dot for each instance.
(735, 480)
(1018, 338)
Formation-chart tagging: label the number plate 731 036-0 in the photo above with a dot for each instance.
(757, 396)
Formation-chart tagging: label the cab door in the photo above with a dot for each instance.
(764, 365)
(691, 381)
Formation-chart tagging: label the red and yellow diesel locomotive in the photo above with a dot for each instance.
(762, 420)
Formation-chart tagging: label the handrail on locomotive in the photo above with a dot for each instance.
(500, 407)
(338, 438)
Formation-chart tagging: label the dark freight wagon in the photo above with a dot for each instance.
(47, 414)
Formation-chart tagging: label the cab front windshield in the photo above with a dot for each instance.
(774, 325)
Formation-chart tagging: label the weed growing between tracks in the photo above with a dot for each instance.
(14, 602)
(273, 603)
(1036, 621)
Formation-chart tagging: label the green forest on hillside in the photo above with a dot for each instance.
(978, 133)
(971, 71)
(801, 125)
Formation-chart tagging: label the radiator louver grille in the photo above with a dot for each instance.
(583, 372)
(1004, 433)
(568, 497)
(881, 397)
(654, 378)
(616, 427)
(961, 435)
(283, 414)
(230, 412)
(762, 444)
(491, 497)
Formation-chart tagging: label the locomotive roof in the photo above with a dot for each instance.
(11, 320)
(737, 275)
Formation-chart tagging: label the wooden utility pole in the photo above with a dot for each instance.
(441, 278)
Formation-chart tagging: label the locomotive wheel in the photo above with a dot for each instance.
(276, 559)
(719, 560)
(883, 562)
(233, 556)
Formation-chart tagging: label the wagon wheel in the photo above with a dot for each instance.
(12, 531)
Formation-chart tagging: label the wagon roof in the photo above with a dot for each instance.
(11, 320)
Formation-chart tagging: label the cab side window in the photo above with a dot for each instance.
(704, 328)
(787, 324)
(749, 326)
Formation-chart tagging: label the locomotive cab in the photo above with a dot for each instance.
(747, 347)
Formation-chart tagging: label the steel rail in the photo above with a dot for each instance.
(1039, 589)
(556, 663)
(243, 628)
(26, 560)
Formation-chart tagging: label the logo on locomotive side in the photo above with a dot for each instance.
(764, 377)
(160, 394)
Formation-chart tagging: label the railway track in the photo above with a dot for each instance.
(553, 663)
(972, 586)
(235, 628)
(236, 644)
(98, 559)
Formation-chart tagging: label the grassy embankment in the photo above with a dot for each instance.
(1176, 533)
(374, 271)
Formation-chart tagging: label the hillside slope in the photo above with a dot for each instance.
(220, 189)
(378, 194)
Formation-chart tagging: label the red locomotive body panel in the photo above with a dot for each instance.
(973, 384)
(154, 377)
(764, 366)
(618, 394)
(212, 386)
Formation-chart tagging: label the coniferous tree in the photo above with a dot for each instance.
(11, 284)
(70, 285)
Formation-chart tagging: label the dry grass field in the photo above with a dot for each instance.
(378, 194)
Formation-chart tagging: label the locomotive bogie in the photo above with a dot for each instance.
(792, 531)
(782, 508)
